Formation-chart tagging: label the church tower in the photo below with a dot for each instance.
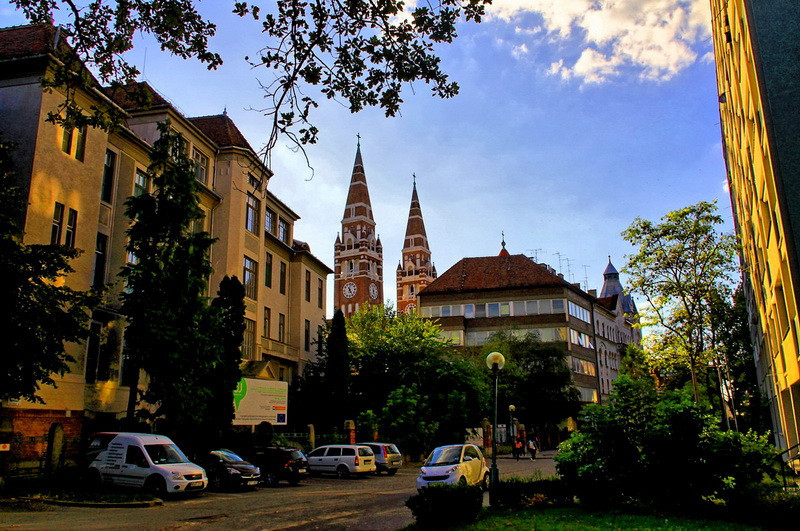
(415, 270)
(358, 253)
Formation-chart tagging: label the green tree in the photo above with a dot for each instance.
(397, 355)
(40, 313)
(164, 299)
(536, 379)
(359, 52)
(681, 265)
(224, 319)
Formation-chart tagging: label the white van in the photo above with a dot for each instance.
(342, 460)
(143, 460)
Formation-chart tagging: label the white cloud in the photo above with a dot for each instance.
(519, 51)
(654, 37)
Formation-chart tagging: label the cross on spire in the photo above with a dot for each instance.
(358, 135)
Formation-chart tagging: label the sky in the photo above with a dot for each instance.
(574, 117)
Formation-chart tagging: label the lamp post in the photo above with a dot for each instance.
(511, 410)
(495, 362)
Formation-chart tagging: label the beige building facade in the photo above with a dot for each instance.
(77, 184)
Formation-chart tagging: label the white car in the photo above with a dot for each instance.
(143, 460)
(342, 460)
(456, 464)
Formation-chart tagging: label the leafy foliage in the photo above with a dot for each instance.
(682, 265)
(536, 379)
(405, 381)
(362, 52)
(188, 349)
(659, 448)
(40, 313)
(442, 506)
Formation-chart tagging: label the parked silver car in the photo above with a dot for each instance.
(342, 460)
(387, 457)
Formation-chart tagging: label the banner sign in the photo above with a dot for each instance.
(257, 401)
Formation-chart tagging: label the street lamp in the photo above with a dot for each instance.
(511, 410)
(495, 362)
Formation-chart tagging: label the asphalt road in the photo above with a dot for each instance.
(371, 503)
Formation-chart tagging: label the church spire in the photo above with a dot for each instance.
(416, 270)
(358, 194)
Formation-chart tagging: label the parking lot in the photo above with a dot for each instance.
(371, 503)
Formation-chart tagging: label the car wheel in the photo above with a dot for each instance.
(462, 480)
(392, 471)
(271, 479)
(342, 471)
(155, 485)
(485, 482)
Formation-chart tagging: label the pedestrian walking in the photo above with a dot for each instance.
(518, 449)
(532, 447)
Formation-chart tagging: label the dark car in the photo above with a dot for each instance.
(281, 464)
(227, 471)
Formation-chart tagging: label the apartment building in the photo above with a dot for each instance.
(77, 183)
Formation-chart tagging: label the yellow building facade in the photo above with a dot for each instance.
(77, 184)
(758, 78)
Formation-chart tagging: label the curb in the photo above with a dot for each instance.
(109, 505)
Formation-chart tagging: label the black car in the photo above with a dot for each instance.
(279, 463)
(227, 471)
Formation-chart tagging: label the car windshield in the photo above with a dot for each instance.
(391, 449)
(228, 456)
(297, 454)
(364, 451)
(163, 454)
(444, 455)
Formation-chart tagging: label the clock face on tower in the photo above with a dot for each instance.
(373, 291)
(349, 290)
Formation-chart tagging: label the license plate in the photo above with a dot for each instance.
(253, 482)
(195, 484)
(302, 470)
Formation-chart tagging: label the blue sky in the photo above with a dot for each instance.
(574, 117)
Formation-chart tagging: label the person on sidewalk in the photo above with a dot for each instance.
(518, 449)
(532, 447)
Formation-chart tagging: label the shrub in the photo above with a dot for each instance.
(524, 493)
(660, 449)
(440, 506)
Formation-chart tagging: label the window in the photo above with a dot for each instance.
(80, 143)
(493, 309)
(282, 374)
(267, 319)
(107, 185)
(579, 312)
(179, 147)
(100, 257)
(58, 223)
(141, 184)
(580, 366)
(282, 280)
(66, 141)
(269, 221)
(281, 328)
(72, 226)
(254, 181)
(250, 276)
(199, 224)
(558, 305)
(92, 352)
(283, 231)
(200, 166)
(445, 311)
(249, 343)
(319, 293)
(252, 207)
(268, 270)
(519, 308)
(135, 456)
(532, 307)
(307, 335)
(469, 311)
(505, 309)
(308, 287)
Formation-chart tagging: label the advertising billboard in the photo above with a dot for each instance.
(257, 401)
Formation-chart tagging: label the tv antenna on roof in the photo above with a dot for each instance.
(585, 277)
(535, 253)
(557, 253)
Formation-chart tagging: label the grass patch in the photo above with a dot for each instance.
(569, 519)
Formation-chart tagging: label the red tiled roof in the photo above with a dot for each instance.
(135, 96)
(493, 273)
(221, 130)
(26, 41)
